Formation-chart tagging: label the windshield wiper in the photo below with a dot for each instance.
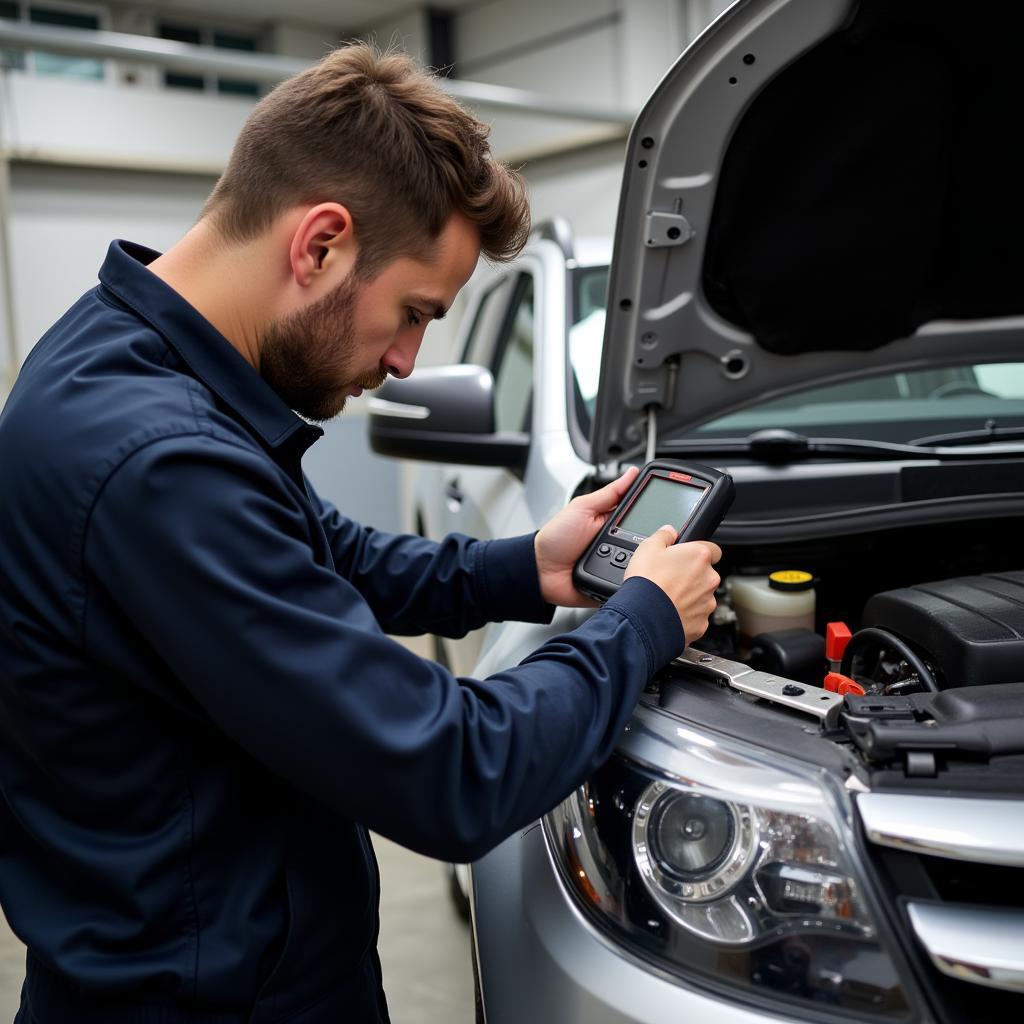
(990, 432)
(780, 445)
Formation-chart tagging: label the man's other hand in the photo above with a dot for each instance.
(685, 572)
(560, 543)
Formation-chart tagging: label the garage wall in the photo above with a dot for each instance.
(62, 220)
(582, 186)
(569, 49)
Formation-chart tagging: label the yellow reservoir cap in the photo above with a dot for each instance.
(790, 579)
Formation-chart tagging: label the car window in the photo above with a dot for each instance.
(586, 336)
(483, 335)
(513, 365)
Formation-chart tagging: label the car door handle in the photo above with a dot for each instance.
(453, 495)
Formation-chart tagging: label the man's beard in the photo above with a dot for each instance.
(307, 357)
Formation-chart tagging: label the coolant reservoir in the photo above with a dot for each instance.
(763, 604)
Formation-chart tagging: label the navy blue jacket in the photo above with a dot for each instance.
(200, 712)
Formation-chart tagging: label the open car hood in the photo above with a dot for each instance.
(818, 190)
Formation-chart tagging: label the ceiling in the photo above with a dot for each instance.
(343, 14)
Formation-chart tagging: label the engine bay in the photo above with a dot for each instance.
(950, 596)
(919, 631)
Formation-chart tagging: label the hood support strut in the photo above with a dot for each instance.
(652, 434)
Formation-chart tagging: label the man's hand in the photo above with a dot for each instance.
(684, 572)
(560, 543)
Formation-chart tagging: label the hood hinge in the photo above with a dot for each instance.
(665, 229)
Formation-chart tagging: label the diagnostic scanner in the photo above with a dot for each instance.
(692, 498)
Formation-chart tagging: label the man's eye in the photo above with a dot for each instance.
(413, 316)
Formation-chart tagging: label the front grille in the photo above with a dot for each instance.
(988, 885)
(916, 878)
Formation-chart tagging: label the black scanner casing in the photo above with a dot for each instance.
(599, 577)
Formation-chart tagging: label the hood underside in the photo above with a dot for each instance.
(818, 190)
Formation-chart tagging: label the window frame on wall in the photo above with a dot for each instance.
(215, 36)
(28, 61)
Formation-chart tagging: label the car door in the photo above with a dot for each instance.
(478, 500)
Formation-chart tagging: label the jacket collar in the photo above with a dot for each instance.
(207, 353)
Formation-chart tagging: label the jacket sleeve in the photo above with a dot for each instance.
(416, 586)
(212, 562)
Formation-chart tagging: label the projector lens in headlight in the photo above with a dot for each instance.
(728, 865)
(690, 847)
(689, 836)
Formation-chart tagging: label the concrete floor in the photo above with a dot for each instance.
(12, 972)
(424, 946)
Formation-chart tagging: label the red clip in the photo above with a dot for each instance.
(838, 683)
(837, 636)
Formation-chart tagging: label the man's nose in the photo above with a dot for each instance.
(399, 368)
(400, 359)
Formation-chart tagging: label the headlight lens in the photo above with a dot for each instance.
(696, 846)
(726, 867)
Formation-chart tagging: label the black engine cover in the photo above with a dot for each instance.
(971, 628)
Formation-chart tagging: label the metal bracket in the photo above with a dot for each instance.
(663, 229)
(811, 700)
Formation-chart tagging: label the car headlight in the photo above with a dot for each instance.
(726, 865)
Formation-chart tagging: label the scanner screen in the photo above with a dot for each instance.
(661, 501)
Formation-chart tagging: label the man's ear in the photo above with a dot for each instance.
(323, 245)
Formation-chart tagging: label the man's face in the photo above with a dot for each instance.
(355, 337)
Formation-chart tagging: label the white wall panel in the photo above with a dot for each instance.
(101, 123)
(408, 31)
(307, 42)
(582, 186)
(490, 29)
(62, 219)
(584, 68)
(651, 39)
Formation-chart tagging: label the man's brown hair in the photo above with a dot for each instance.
(377, 133)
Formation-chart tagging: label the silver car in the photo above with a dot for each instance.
(816, 813)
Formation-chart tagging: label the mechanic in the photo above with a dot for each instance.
(200, 712)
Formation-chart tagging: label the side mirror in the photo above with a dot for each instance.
(444, 414)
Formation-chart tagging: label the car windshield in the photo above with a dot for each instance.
(899, 407)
